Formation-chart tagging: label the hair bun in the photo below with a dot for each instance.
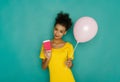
(63, 19)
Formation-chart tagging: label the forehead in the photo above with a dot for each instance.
(60, 27)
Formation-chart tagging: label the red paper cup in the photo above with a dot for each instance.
(47, 45)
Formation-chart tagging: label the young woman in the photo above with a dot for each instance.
(59, 59)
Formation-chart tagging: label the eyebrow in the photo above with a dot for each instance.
(60, 29)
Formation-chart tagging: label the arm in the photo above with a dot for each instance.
(70, 56)
(46, 61)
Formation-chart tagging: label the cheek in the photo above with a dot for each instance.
(54, 31)
(61, 34)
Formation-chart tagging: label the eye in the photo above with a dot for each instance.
(56, 29)
(61, 31)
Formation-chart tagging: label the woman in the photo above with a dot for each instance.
(59, 59)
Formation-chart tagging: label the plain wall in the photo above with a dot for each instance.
(24, 24)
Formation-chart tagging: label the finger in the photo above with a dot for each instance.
(68, 62)
(49, 50)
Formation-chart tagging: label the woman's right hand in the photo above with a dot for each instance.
(47, 54)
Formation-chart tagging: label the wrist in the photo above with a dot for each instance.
(47, 59)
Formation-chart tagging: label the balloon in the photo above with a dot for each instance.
(85, 29)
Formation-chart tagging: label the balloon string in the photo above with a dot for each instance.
(75, 47)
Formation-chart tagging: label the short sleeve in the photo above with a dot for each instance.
(42, 56)
(70, 51)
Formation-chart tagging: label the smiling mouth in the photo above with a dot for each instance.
(56, 36)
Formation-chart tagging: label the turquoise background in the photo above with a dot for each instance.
(24, 24)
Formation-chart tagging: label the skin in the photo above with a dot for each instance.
(57, 42)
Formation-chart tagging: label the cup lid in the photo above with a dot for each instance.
(46, 41)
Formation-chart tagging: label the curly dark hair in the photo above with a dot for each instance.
(64, 20)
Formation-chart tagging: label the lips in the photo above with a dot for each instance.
(56, 36)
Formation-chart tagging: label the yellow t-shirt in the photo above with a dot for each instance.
(59, 72)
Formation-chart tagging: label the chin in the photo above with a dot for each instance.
(57, 38)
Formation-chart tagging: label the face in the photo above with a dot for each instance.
(59, 31)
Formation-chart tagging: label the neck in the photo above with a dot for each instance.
(57, 40)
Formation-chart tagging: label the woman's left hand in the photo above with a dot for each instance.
(69, 63)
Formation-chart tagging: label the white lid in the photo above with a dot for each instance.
(46, 41)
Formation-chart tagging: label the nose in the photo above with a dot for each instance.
(57, 33)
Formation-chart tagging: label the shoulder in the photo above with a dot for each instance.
(69, 47)
(69, 44)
